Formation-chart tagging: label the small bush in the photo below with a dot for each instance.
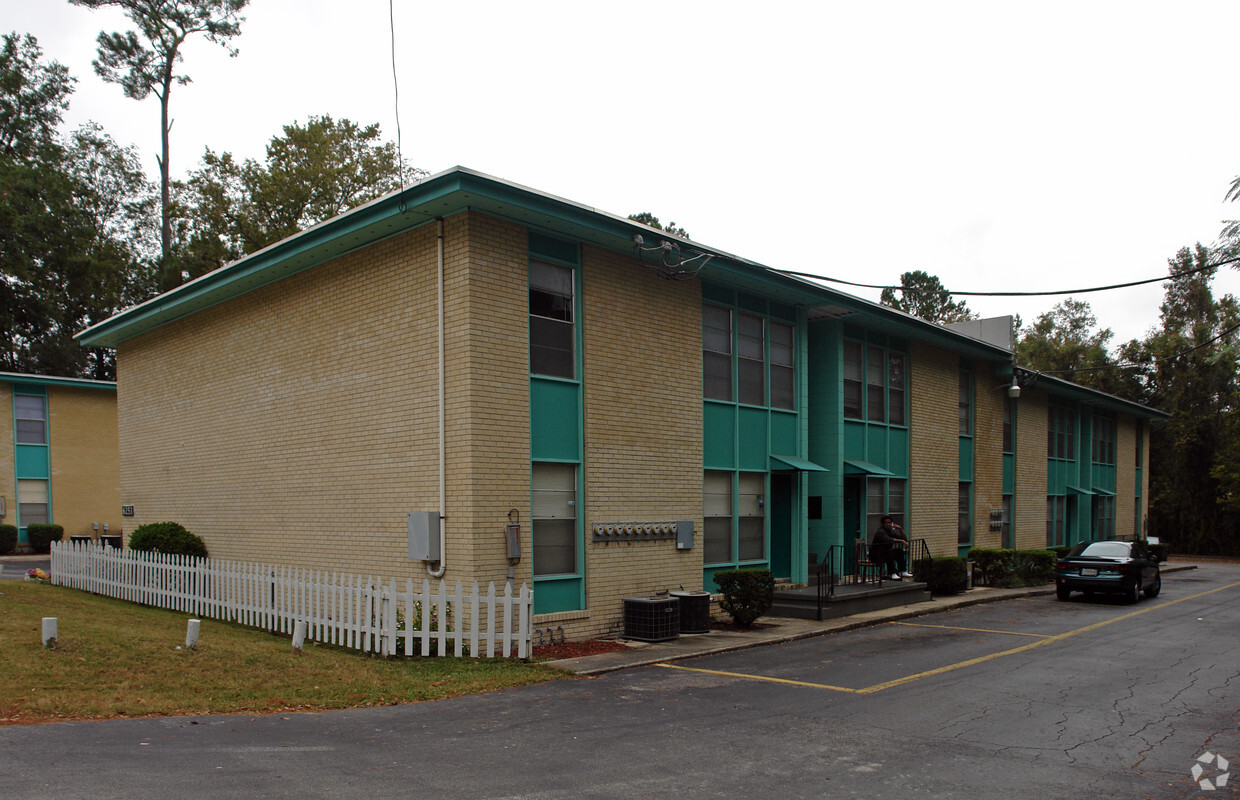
(170, 538)
(41, 536)
(948, 575)
(747, 593)
(8, 539)
(1034, 567)
(992, 564)
(1060, 551)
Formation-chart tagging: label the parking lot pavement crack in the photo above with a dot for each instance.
(1166, 721)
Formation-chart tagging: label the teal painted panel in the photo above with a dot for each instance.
(784, 433)
(1009, 473)
(552, 595)
(718, 294)
(1058, 474)
(854, 441)
(1103, 476)
(718, 436)
(966, 459)
(897, 450)
(544, 246)
(876, 445)
(749, 302)
(32, 461)
(555, 414)
(751, 439)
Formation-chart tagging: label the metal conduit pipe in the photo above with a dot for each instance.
(443, 503)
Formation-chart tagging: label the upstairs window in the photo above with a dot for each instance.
(1009, 421)
(896, 389)
(1104, 440)
(783, 372)
(1061, 433)
(750, 360)
(966, 403)
(875, 383)
(30, 413)
(551, 320)
(716, 353)
(852, 380)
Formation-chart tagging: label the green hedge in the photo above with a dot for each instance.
(1013, 568)
(8, 539)
(170, 538)
(41, 536)
(992, 564)
(747, 593)
(948, 575)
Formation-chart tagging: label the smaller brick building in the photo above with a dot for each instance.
(478, 354)
(60, 455)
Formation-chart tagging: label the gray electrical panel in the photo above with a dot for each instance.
(424, 536)
(684, 534)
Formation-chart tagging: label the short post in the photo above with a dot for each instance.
(49, 633)
(191, 634)
(299, 636)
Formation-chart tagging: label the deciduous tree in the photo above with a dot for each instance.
(922, 295)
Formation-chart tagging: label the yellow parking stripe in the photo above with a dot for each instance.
(975, 630)
(878, 687)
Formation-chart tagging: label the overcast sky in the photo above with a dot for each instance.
(1000, 146)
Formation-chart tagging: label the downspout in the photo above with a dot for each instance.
(443, 505)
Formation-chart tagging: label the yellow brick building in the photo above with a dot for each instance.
(388, 392)
(60, 455)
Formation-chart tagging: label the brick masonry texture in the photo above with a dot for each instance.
(86, 483)
(934, 457)
(1029, 516)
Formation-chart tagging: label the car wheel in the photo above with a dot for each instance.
(1063, 592)
(1134, 595)
(1153, 590)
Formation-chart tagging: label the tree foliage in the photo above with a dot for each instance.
(646, 218)
(1067, 342)
(144, 62)
(312, 173)
(922, 295)
(75, 217)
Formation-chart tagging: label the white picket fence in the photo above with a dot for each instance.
(341, 609)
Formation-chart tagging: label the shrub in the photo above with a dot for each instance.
(948, 575)
(1034, 567)
(1060, 551)
(992, 564)
(8, 539)
(170, 538)
(42, 535)
(747, 593)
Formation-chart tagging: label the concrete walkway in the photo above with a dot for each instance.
(784, 629)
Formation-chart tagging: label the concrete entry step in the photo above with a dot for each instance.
(848, 600)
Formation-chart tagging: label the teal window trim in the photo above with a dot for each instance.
(736, 562)
(771, 314)
(31, 460)
(564, 592)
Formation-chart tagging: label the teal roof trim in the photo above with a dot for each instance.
(48, 380)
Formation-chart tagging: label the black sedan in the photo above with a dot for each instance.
(1127, 568)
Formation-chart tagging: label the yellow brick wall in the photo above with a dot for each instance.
(1125, 473)
(1029, 515)
(934, 446)
(83, 455)
(8, 468)
(295, 424)
(643, 426)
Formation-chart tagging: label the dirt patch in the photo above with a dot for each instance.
(588, 647)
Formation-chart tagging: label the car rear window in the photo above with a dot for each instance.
(1104, 549)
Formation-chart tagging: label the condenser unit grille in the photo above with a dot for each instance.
(651, 619)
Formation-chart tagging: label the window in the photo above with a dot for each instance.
(30, 413)
(1104, 517)
(1140, 443)
(896, 388)
(1136, 517)
(966, 403)
(783, 383)
(1104, 440)
(877, 507)
(852, 380)
(551, 320)
(1005, 525)
(32, 502)
(716, 353)
(875, 385)
(717, 511)
(964, 524)
(1061, 433)
(1056, 519)
(554, 536)
(751, 544)
(750, 359)
(1009, 422)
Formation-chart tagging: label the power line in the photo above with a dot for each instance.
(1016, 294)
(1152, 361)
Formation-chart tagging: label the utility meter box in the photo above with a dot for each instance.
(684, 534)
(424, 536)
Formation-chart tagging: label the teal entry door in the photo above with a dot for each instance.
(783, 485)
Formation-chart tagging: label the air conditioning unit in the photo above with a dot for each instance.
(655, 618)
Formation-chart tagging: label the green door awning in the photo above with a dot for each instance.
(1103, 492)
(855, 467)
(1079, 490)
(793, 462)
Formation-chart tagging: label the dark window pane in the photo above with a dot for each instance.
(782, 387)
(551, 347)
(717, 540)
(717, 376)
(852, 380)
(750, 388)
(554, 546)
(896, 389)
(31, 431)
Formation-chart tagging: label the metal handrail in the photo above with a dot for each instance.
(839, 565)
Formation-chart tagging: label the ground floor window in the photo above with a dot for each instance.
(1104, 517)
(884, 497)
(964, 524)
(1005, 526)
(32, 502)
(554, 534)
(734, 517)
(1056, 520)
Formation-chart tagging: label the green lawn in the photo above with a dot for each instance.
(115, 659)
